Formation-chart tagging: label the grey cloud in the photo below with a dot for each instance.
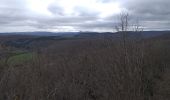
(82, 11)
(154, 7)
(65, 21)
(56, 10)
(14, 16)
(106, 1)
(12, 11)
(152, 13)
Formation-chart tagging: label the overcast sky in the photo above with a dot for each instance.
(80, 15)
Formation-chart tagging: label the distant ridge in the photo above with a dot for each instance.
(38, 33)
(145, 34)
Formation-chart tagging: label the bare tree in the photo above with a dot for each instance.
(123, 26)
(136, 26)
(123, 23)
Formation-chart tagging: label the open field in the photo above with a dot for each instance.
(19, 59)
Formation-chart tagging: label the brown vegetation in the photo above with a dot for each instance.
(91, 69)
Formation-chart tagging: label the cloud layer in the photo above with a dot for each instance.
(80, 15)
